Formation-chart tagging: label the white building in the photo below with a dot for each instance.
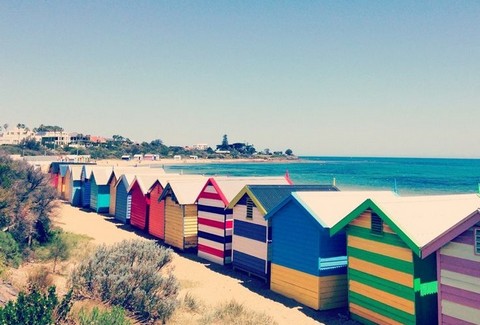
(15, 136)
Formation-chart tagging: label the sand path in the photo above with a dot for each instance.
(210, 283)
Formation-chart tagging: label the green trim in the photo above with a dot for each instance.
(387, 238)
(381, 308)
(370, 205)
(425, 289)
(382, 284)
(382, 260)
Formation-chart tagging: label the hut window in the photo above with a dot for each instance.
(376, 224)
(477, 241)
(249, 208)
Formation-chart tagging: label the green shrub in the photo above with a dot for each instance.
(115, 316)
(129, 274)
(235, 313)
(9, 250)
(36, 308)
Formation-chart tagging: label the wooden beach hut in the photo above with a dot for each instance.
(73, 185)
(123, 200)
(61, 180)
(458, 272)
(215, 218)
(251, 232)
(306, 263)
(156, 215)
(392, 260)
(100, 189)
(117, 173)
(140, 200)
(85, 177)
(181, 212)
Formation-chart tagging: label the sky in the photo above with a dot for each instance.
(327, 78)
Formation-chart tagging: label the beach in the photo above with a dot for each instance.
(210, 283)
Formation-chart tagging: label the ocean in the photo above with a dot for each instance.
(409, 176)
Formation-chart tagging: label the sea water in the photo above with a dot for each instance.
(408, 176)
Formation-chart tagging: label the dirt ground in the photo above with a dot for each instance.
(210, 283)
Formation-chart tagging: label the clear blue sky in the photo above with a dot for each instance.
(354, 78)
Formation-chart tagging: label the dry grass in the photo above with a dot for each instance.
(235, 313)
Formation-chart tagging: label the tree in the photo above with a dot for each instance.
(59, 250)
(288, 152)
(224, 145)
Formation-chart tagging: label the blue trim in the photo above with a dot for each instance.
(250, 230)
(249, 263)
(216, 210)
(215, 238)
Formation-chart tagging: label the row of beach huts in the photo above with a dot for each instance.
(389, 259)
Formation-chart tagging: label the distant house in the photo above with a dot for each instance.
(392, 260)
(151, 156)
(126, 157)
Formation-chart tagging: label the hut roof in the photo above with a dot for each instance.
(267, 197)
(127, 179)
(229, 187)
(330, 207)
(185, 191)
(63, 170)
(101, 174)
(420, 220)
(76, 172)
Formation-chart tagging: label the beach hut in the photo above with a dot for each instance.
(61, 180)
(123, 200)
(215, 218)
(458, 272)
(156, 216)
(54, 170)
(100, 189)
(181, 212)
(85, 177)
(117, 173)
(392, 260)
(140, 200)
(306, 263)
(251, 232)
(73, 185)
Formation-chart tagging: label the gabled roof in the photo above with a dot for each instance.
(186, 191)
(267, 197)
(63, 170)
(228, 187)
(144, 182)
(76, 172)
(101, 174)
(119, 171)
(88, 170)
(420, 220)
(127, 179)
(329, 208)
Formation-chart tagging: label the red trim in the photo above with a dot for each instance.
(229, 224)
(211, 181)
(206, 195)
(211, 223)
(210, 250)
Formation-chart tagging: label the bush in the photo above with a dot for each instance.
(39, 279)
(129, 274)
(116, 316)
(36, 308)
(9, 250)
(235, 313)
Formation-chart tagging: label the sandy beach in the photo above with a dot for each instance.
(212, 284)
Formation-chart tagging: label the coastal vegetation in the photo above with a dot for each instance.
(118, 146)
